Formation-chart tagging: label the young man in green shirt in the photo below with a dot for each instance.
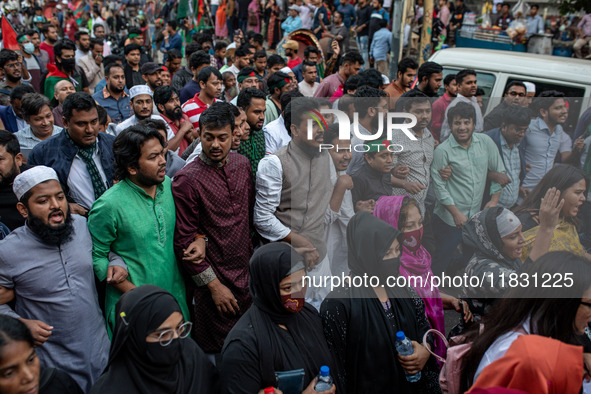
(136, 219)
(470, 156)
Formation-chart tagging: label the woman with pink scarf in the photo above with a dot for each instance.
(403, 213)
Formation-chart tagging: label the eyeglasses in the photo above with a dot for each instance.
(587, 304)
(166, 337)
(515, 94)
(14, 65)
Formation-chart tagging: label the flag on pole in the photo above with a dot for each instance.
(9, 35)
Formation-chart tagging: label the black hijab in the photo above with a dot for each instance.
(269, 265)
(182, 367)
(371, 337)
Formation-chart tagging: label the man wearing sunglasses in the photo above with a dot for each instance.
(514, 96)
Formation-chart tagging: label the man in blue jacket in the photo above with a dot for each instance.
(82, 158)
(507, 138)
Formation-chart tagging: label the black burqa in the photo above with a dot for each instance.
(302, 345)
(366, 345)
(131, 369)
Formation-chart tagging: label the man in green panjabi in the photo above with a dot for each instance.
(136, 219)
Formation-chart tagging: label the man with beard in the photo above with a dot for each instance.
(350, 65)
(252, 102)
(142, 105)
(293, 192)
(82, 39)
(441, 104)
(113, 97)
(82, 158)
(48, 264)
(471, 155)
(407, 71)
(467, 89)
(37, 113)
(11, 164)
(214, 196)
(291, 53)
(210, 83)
(99, 32)
(51, 37)
(167, 101)
(414, 162)
(64, 68)
(230, 88)
(62, 90)
(371, 104)
(15, 73)
(429, 78)
(152, 75)
(136, 219)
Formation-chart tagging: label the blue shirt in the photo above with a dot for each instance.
(541, 148)
(189, 91)
(512, 161)
(291, 24)
(348, 12)
(118, 109)
(534, 25)
(380, 45)
(174, 42)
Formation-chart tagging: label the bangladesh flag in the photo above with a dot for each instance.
(193, 9)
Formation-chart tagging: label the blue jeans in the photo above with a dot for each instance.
(362, 42)
(242, 24)
(447, 239)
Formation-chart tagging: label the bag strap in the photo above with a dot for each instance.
(443, 338)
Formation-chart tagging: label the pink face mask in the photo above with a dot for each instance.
(412, 239)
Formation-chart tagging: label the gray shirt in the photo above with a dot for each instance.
(56, 285)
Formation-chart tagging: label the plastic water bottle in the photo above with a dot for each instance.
(404, 348)
(324, 380)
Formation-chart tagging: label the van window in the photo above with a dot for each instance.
(573, 94)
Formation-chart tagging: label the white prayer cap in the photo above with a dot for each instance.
(385, 80)
(507, 222)
(530, 87)
(139, 89)
(286, 70)
(27, 180)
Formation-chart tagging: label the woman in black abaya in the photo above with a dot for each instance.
(279, 333)
(150, 352)
(360, 323)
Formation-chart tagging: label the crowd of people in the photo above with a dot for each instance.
(165, 225)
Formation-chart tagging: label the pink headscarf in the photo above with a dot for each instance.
(416, 263)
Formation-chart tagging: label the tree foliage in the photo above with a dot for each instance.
(574, 6)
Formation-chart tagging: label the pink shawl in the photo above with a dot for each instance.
(415, 264)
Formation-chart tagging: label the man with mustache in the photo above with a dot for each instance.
(135, 219)
(214, 196)
(11, 164)
(82, 158)
(114, 97)
(64, 68)
(48, 264)
(252, 102)
(293, 193)
(167, 101)
(142, 105)
(15, 73)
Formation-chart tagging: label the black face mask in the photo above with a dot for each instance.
(164, 355)
(68, 64)
(386, 268)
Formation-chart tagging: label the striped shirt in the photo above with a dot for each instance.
(193, 109)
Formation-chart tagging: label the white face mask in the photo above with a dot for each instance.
(29, 48)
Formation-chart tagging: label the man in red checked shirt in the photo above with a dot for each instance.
(210, 82)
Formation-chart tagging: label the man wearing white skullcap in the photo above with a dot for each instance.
(530, 92)
(48, 264)
(142, 104)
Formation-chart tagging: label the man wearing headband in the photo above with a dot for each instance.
(247, 78)
(279, 83)
(48, 264)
